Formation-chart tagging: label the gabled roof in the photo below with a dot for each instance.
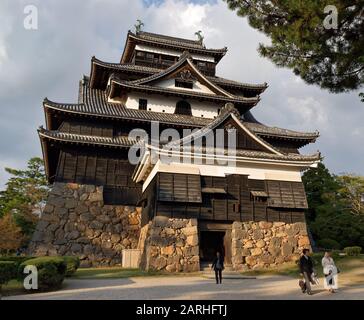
(93, 103)
(146, 84)
(227, 112)
(102, 69)
(115, 82)
(183, 62)
(157, 40)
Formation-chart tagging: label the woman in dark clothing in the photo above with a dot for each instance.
(218, 266)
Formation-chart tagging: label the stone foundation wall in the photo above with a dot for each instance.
(263, 244)
(170, 245)
(76, 222)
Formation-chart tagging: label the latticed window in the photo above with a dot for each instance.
(143, 103)
(183, 107)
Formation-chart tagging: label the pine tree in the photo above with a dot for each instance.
(331, 58)
(25, 195)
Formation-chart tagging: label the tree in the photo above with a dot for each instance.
(334, 203)
(25, 195)
(321, 189)
(11, 236)
(352, 192)
(332, 58)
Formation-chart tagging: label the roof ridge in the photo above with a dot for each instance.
(169, 37)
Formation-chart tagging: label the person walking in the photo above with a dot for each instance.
(330, 273)
(306, 269)
(218, 266)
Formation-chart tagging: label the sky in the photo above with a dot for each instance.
(49, 62)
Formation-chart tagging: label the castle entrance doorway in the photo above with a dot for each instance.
(214, 237)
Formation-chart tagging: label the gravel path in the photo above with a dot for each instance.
(188, 287)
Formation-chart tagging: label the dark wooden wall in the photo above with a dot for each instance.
(111, 170)
(237, 204)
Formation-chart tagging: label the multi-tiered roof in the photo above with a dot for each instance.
(148, 58)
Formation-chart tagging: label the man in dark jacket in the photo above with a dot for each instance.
(218, 266)
(306, 269)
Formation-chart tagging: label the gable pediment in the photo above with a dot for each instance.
(185, 72)
(228, 122)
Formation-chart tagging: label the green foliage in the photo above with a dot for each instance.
(51, 271)
(25, 194)
(328, 244)
(352, 192)
(72, 263)
(330, 58)
(352, 251)
(331, 213)
(8, 271)
(17, 260)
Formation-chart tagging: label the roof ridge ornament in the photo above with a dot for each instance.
(200, 37)
(138, 26)
(230, 108)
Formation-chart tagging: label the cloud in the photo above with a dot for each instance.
(50, 61)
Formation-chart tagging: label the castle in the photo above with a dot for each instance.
(209, 176)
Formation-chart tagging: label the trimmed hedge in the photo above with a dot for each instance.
(17, 259)
(51, 271)
(72, 263)
(8, 271)
(352, 251)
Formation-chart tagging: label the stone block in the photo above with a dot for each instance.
(256, 251)
(188, 231)
(168, 250)
(258, 234)
(287, 249)
(303, 241)
(260, 243)
(161, 221)
(192, 240)
(71, 203)
(265, 224)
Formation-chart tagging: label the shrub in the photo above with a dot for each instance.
(328, 244)
(72, 263)
(352, 251)
(17, 259)
(51, 271)
(8, 271)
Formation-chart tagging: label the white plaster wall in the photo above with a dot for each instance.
(254, 171)
(197, 86)
(159, 103)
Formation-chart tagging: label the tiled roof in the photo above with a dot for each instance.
(264, 130)
(174, 41)
(170, 40)
(120, 141)
(154, 89)
(129, 67)
(125, 142)
(93, 102)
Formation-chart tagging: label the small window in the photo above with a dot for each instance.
(218, 111)
(236, 207)
(140, 54)
(183, 107)
(143, 103)
(183, 84)
(150, 56)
